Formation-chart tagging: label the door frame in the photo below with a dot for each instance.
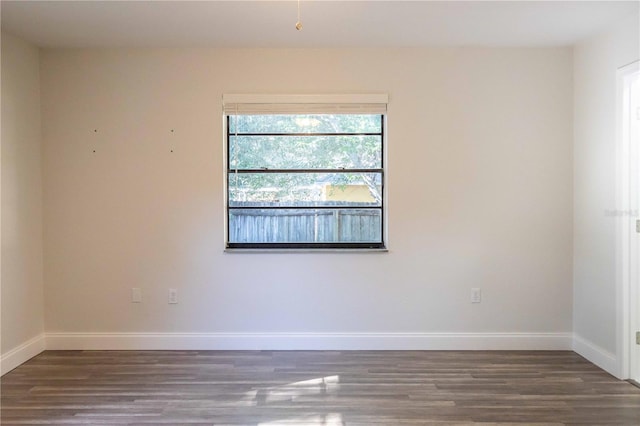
(627, 245)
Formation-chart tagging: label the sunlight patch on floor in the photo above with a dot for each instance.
(289, 392)
(332, 419)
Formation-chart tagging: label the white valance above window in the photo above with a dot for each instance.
(305, 104)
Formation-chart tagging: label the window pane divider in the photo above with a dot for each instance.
(234, 170)
(325, 207)
(234, 134)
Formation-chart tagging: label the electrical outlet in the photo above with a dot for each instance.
(136, 295)
(476, 295)
(173, 296)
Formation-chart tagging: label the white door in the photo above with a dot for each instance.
(633, 113)
(631, 132)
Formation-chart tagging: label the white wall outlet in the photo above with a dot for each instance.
(173, 296)
(476, 295)
(136, 295)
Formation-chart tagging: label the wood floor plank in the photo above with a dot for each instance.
(352, 388)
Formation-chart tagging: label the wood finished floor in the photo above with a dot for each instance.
(315, 388)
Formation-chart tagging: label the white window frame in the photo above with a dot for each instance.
(310, 104)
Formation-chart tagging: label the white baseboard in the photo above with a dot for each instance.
(595, 354)
(21, 354)
(293, 341)
(309, 341)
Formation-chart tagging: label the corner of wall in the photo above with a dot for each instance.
(597, 355)
(598, 308)
(21, 272)
(21, 354)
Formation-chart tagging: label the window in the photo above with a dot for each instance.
(306, 174)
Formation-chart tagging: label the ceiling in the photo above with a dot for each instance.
(326, 23)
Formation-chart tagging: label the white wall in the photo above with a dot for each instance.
(22, 270)
(594, 310)
(480, 193)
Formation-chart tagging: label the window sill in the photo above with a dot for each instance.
(301, 250)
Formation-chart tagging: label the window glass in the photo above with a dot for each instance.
(308, 180)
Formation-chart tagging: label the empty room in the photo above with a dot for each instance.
(320, 212)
